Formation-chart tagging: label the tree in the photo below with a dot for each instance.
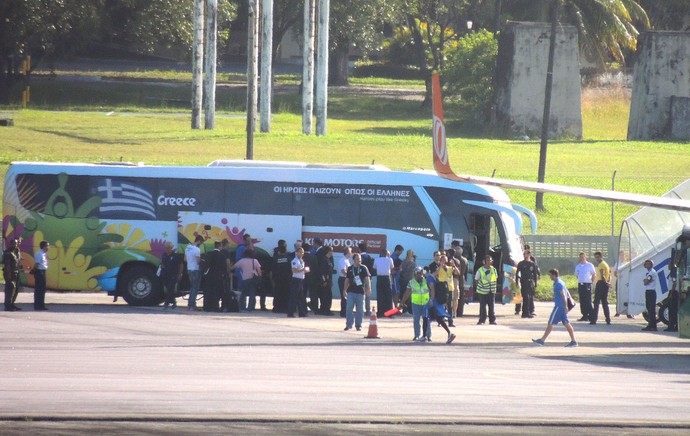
(468, 76)
(556, 13)
(145, 26)
(51, 28)
(321, 67)
(41, 28)
(433, 25)
(308, 66)
(606, 28)
(197, 64)
(667, 14)
(286, 14)
(356, 24)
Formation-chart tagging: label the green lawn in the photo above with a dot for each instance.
(143, 122)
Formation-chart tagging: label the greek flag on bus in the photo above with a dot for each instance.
(125, 198)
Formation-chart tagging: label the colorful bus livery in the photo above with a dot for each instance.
(108, 224)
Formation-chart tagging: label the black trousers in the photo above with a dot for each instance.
(650, 302)
(298, 300)
(170, 286)
(325, 297)
(601, 295)
(487, 300)
(10, 290)
(281, 294)
(527, 292)
(313, 292)
(384, 299)
(212, 292)
(584, 291)
(39, 289)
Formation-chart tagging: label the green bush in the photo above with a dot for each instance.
(469, 76)
(387, 70)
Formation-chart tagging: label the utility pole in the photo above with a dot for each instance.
(210, 64)
(197, 63)
(308, 67)
(322, 68)
(266, 64)
(547, 103)
(252, 59)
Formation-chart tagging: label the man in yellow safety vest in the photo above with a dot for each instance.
(485, 286)
(419, 291)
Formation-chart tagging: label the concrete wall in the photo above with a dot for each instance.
(662, 71)
(523, 55)
(680, 117)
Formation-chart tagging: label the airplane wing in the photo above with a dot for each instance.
(443, 169)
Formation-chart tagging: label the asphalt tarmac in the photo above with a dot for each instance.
(90, 365)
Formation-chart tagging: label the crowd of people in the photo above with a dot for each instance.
(301, 281)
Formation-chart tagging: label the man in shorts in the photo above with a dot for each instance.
(560, 311)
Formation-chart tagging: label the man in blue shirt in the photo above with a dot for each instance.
(560, 310)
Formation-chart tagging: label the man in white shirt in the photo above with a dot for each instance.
(192, 254)
(298, 299)
(649, 282)
(383, 265)
(343, 265)
(40, 268)
(586, 274)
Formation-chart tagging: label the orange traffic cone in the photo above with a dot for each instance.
(373, 328)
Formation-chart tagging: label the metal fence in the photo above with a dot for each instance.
(562, 251)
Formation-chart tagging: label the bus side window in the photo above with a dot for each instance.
(494, 236)
(479, 228)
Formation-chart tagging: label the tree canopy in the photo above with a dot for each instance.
(54, 28)
(38, 27)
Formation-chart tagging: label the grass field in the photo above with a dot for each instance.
(95, 120)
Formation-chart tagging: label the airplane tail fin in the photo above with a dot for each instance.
(443, 169)
(441, 161)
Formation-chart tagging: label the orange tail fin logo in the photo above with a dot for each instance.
(441, 164)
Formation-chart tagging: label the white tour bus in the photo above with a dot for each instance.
(108, 223)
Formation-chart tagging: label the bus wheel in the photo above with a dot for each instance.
(664, 312)
(139, 286)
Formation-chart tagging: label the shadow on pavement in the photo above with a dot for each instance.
(664, 363)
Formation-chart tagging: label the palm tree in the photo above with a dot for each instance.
(606, 28)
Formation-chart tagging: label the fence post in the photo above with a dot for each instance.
(613, 204)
